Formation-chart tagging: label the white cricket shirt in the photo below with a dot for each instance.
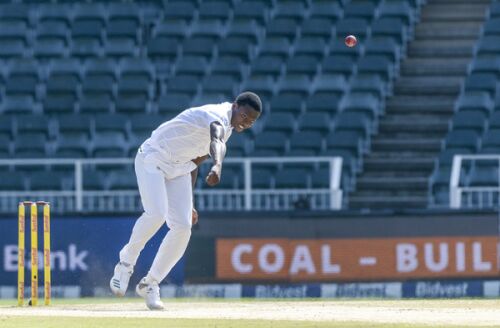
(187, 136)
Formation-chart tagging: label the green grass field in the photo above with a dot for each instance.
(242, 313)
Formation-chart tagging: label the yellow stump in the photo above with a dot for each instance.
(46, 252)
(34, 255)
(20, 255)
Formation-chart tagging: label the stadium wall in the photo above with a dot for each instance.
(85, 250)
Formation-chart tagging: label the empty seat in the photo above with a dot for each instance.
(192, 65)
(353, 121)
(317, 122)
(397, 9)
(108, 144)
(135, 85)
(187, 84)
(33, 124)
(30, 145)
(21, 85)
(59, 103)
(237, 145)
(97, 85)
(12, 49)
(235, 46)
(267, 65)
(261, 178)
(469, 120)
(484, 175)
(475, 101)
(145, 123)
(128, 103)
(12, 181)
(247, 30)
(302, 65)
(120, 48)
(486, 65)
(481, 82)
(364, 103)
(95, 103)
(210, 29)
(317, 27)
(219, 84)
(292, 179)
(173, 103)
(162, 48)
(350, 141)
(394, 28)
(282, 27)
(277, 46)
(464, 139)
(270, 144)
(122, 180)
(332, 83)
(287, 103)
(311, 46)
(360, 9)
(326, 9)
(86, 48)
(282, 122)
(72, 146)
(43, 180)
(354, 26)
(323, 102)
(375, 64)
(179, 10)
(48, 49)
(74, 125)
(18, 104)
(198, 46)
(338, 64)
(383, 46)
(491, 142)
(262, 85)
(306, 141)
(251, 10)
(228, 65)
(122, 28)
(115, 123)
(370, 83)
(297, 83)
(291, 9)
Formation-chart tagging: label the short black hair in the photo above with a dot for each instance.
(250, 99)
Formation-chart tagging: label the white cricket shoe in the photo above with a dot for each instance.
(120, 279)
(151, 293)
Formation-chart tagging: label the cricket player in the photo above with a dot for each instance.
(166, 167)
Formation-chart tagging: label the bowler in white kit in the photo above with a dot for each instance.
(166, 167)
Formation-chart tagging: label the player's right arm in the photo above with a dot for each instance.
(217, 152)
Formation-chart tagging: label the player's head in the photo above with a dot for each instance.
(246, 110)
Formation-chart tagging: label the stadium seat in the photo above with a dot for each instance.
(474, 101)
(222, 84)
(72, 146)
(262, 178)
(379, 65)
(267, 65)
(12, 181)
(357, 122)
(338, 64)
(5, 142)
(108, 144)
(235, 46)
(247, 30)
(331, 83)
(360, 9)
(326, 10)
(491, 142)
(43, 180)
(237, 145)
(192, 65)
(287, 103)
(311, 46)
(120, 48)
(481, 82)
(350, 141)
(302, 65)
(318, 28)
(306, 141)
(21, 85)
(122, 180)
(173, 103)
(364, 103)
(264, 86)
(282, 122)
(463, 139)
(296, 83)
(74, 125)
(486, 65)
(228, 65)
(198, 46)
(186, 84)
(276, 46)
(122, 29)
(290, 9)
(292, 179)
(390, 27)
(33, 124)
(397, 9)
(484, 174)
(114, 123)
(179, 11)
(95, 103)
(270, 143)
(369, 83)
(59, 103)
(319, 122)
(30, 145)
(354, 26)
(49, 49)
(323, 102)
(469, 120)
(282, 27)
(18, 104)
(256, 11)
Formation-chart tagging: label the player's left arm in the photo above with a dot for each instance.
(217, 152)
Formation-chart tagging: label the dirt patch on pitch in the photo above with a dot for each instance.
(479, 313)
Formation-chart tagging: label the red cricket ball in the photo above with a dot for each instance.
(350, 41)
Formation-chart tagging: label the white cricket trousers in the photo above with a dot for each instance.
(163, 200)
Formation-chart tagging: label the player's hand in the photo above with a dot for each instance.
(213, 176)
(194, 217)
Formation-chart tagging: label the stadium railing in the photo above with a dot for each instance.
(80, 199)
(463, 193)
